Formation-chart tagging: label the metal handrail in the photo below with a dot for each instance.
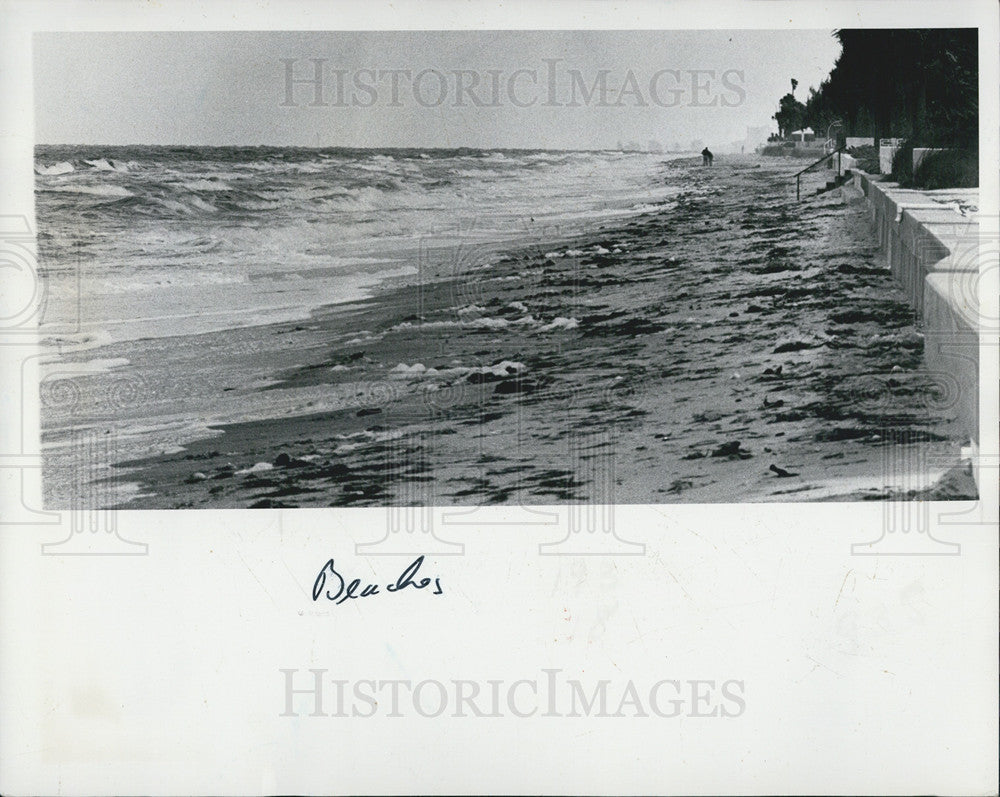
(798, 176)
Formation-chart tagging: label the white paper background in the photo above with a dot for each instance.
(160, 673)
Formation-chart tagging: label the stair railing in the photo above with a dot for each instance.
(798, 176)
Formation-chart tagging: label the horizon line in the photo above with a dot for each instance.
(347, 146)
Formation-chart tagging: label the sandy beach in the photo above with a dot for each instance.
(726, 345)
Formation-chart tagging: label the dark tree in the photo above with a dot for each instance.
(790, 114)
(922, 85)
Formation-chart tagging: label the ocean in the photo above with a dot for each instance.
(275, 327)
(243, 236)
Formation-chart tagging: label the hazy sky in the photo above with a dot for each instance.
(545, 89)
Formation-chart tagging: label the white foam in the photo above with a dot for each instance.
(95, 190)
(63, 167)
(97, 366)
(207, 185)
(105, 165)
(504, 368)
(410, 370)
(260, 467)
(561, 323)
(417, 370)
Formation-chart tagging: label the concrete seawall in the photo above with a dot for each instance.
(932, 245)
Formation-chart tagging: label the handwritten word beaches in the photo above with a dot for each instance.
(335, 587)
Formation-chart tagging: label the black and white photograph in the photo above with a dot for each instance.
(479, 397)
(507, 267)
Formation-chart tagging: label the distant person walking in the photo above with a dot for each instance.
(706, 157)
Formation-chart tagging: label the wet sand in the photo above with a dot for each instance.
(730, 346)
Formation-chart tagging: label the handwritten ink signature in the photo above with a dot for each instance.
(337, 589)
